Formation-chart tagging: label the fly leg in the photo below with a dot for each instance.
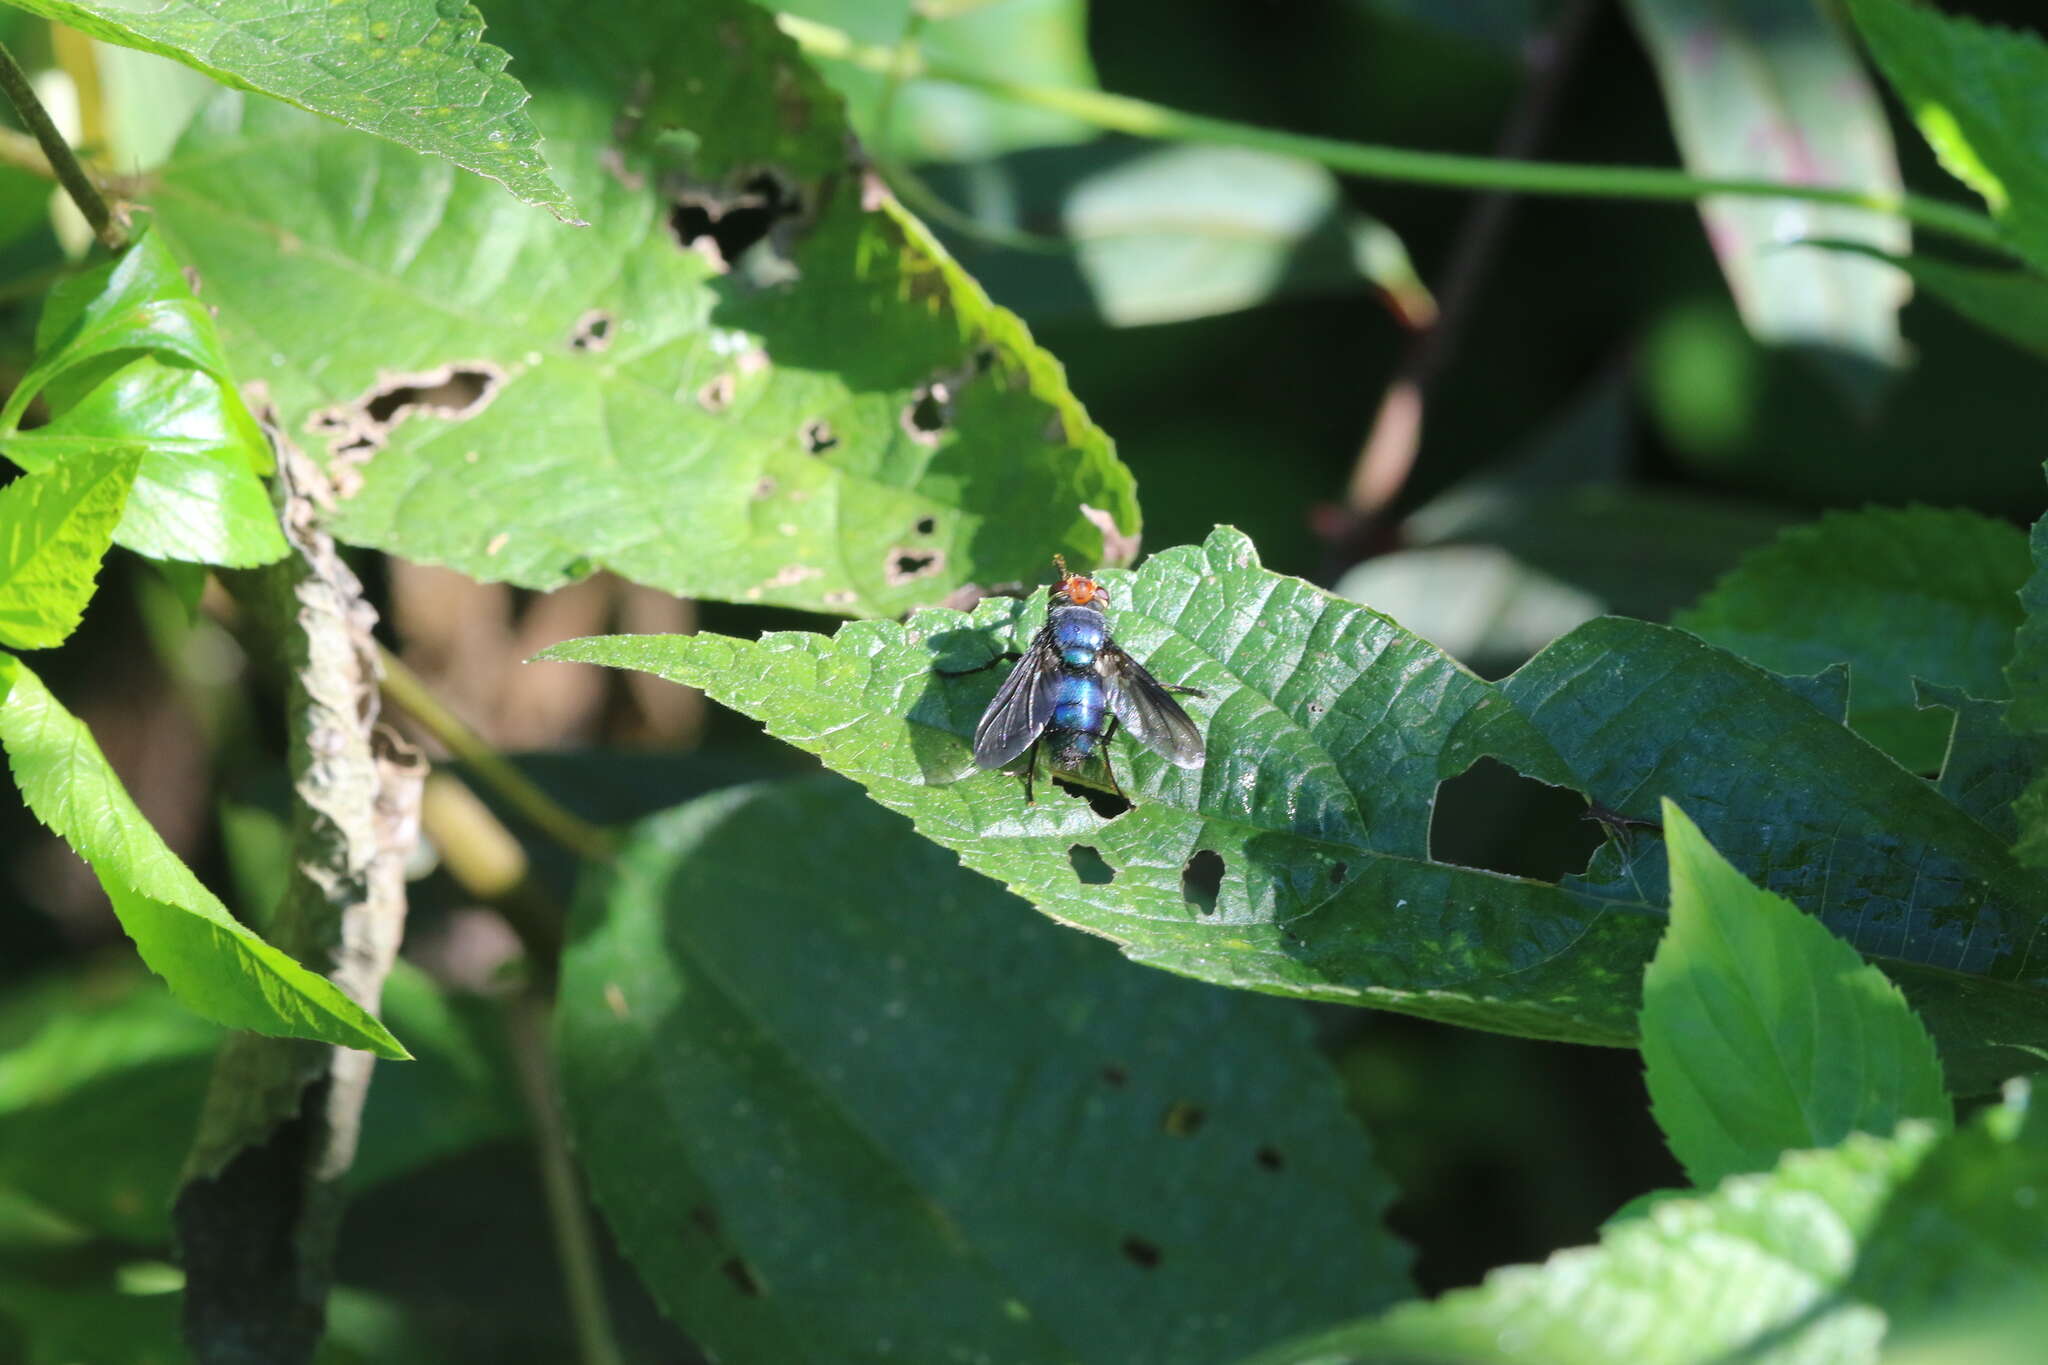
(1030, 772)
(1108, 734)
(978, 668)
(1184, 691)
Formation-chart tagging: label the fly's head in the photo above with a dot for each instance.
(1078, 589)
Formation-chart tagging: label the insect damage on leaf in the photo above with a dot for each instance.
(746, 226)
(592, 332)
(356, 430)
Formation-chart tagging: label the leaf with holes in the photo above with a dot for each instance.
(1763, 89)
(1764, 1033)
(1823, 1258)
(792, 1109)
(1980, 97)
(414, 71)
(55, 528)
(1297, 859)
(753, 377)
(127, 358)
(1897, 593)
(212, 963)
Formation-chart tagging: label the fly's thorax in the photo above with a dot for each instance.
(1078, 633)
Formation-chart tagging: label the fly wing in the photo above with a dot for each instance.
(1148, 710)
(1021, 707)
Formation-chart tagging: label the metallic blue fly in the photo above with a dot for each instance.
(1074, 687)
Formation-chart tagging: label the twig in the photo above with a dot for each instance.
(70, 174)
(1388, 453)
(568, 1214)
(404, 689)
(1141, 118)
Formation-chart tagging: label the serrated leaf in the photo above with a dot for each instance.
(840, 420)
(1822, 1259)
(1898, 594)
(55, 528)
(1979, 95)
(1031, 42)
(215, 965)
(415, 71)
(1768, 89)
(1765, 1033)
(910, 1121)
(1329, 728)
(199, 495)
(196, 497)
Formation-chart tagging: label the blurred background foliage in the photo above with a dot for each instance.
(1603, 433)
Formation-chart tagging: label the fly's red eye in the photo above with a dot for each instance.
(1080, 591)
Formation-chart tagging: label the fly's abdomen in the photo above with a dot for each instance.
(1078, 717)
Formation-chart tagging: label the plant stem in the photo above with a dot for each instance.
(404, 689)
(1141, 118)
(70, 174)
(568, 1214)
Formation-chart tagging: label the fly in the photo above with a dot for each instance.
(1074, 687)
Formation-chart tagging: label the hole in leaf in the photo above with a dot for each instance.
(742, 1276)
(592, 332)
(929, 412)
(907, 565)
(1115, 1075)
(1108, 805)
(1338, 872)
(984, 359)
(453, 391)
(1492, 817)
(1201, 879)
(1089, 866)
(927, 525)
(1183, 1119)
(1141, 1253)
(1269, 1158)
(723, 226)
(817, 436)
(717, 395)
(911, 565)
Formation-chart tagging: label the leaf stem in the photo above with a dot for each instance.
(404, 689)
(112, 233)
(1142, 118)
(568, 1213)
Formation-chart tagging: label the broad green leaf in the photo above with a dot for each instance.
(2008, 303)
(1163, 234)
(196, 498)
(1328, 729)
(1898, 594)
(55, 528)
(1033, 42)
(837, 419)
(1768, 89)
(1979, 95)
(415, 71)
(910, 1121)
(1823, 1259)
(1765, 1033)
(213, 964)
(1986, 765)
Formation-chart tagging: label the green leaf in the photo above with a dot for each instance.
(838, 420)
(1763, 1032)
(910, 1121)
(1898, 594)
(199, 495)
(62, 1324)
(216, 966)
(196, 498)
(2026, 671)
(1032, 42)
(1164, 234)
(1766, 89)
(55, 528)
(1979, 95)
(1822, 1259)
(1329, 728)
(1986, 766)
(417, 72)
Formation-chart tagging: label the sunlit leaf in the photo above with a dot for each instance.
(212, 963)
(835, 417)
(1769, 90)
(1763, 1032)
(55, 528)
(414, 71)
(907, 1120)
